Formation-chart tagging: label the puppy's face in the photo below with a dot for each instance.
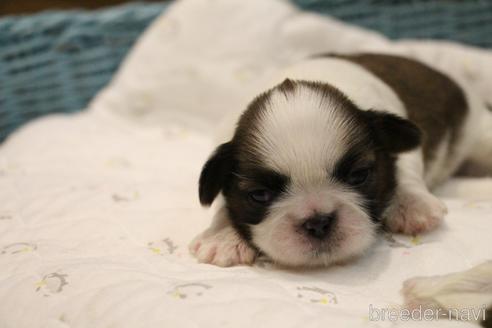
(307, 174)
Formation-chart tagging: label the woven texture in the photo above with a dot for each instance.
(464, 21)
(56, 62)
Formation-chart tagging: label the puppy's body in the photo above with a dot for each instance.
(446, 113)
(316, 163)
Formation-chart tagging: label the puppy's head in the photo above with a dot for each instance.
(307, 174)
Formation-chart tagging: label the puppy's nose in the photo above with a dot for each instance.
(318, 226)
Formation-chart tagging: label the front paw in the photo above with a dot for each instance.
(414, 212)
(223, 248)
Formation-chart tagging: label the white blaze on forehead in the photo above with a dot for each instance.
(302, 134)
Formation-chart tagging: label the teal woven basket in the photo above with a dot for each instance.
(56, 61)
(467, 21)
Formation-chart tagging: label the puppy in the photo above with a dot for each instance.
(345, 145)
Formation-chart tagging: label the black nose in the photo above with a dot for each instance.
(318, 226)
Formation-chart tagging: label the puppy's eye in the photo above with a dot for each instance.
(358, 176)
(261, 196)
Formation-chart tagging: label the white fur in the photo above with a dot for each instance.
(220, 244)
(303, 136)
(471, 289)
(362, 87)
(475, 138)
(414, 208)
(278, 235)
(481, 145)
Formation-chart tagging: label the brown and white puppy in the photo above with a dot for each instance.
(344, 145)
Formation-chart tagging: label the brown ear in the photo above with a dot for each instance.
(393, 133)
(215, 172)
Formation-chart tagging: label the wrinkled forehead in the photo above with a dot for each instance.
(300, 129)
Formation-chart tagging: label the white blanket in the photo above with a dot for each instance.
(97, 209)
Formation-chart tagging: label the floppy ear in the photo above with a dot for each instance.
(393, 133)
(215, 172)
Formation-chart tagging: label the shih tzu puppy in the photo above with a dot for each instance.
(345, 145)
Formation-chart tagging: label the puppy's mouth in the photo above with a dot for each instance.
(309, 252)
(318, 247)
(315, 241)
(297, 246)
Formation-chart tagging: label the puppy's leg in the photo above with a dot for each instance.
(221, 245)
(467, 290)
(413, 209)
(479, 162)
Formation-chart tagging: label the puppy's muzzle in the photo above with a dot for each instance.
(319, 225)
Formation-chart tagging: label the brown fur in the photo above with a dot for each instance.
(434, 102)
